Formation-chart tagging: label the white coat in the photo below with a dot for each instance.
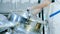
(54, 21)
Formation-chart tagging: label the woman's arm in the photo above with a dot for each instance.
(41, 5)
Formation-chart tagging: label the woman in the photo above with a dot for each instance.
(54, 18)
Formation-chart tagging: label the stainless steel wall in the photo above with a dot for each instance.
(7, 5)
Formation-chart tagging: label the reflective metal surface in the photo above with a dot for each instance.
(17, 18)
(3, 21)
